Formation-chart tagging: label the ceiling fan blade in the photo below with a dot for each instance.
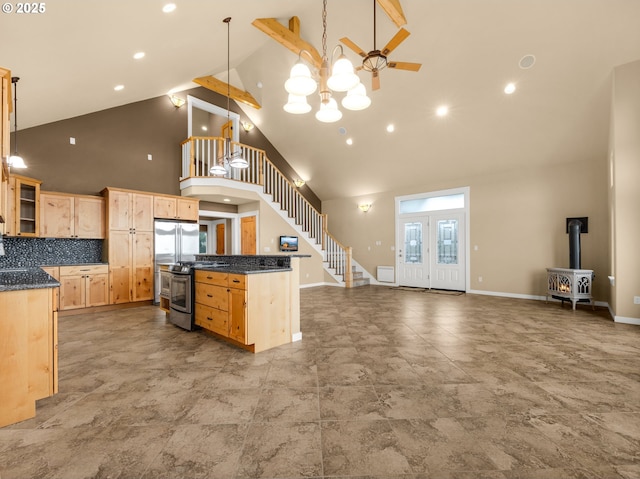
(375, 81)
(413, 67)
(397, 39)
(354, 47)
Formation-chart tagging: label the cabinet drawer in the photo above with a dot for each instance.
(238, 281)
(213, 296)
(210, 277)
(84, 269)
(212, 319)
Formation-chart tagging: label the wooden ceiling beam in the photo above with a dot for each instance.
(288, 37)
(213, 84)
(394, 11)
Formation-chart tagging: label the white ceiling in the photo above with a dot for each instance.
(71, 56)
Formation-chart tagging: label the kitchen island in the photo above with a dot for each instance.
(251, 301)
(28, 342)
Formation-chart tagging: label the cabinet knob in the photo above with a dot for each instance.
(209, 296)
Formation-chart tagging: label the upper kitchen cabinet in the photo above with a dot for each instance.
(23, 206)
(129, 210)
(71, 216)
(5, 109)
(175, 208)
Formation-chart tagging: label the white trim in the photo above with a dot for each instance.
(192, 101)
(296, 337)
(623, 320)
(317, 285)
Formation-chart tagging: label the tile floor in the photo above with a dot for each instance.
(385, 384)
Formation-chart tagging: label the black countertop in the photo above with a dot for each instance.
(16, 279)
(243, 269)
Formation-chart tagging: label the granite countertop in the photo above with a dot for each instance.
(244, 269)
(73, 264)
(14, 279)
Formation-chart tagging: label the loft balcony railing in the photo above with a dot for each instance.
(201, 153)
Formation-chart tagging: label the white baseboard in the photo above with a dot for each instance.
(507, 295)
(296, 337)
(316, 285)
(622, 319)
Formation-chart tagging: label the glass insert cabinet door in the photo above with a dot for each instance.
(447, 242)
(413, 235)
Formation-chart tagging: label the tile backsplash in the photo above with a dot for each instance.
(24, 252)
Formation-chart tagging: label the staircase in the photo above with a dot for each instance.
(199, 154)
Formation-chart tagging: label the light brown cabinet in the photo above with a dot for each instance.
(175, 208)
(83, 286)
(130, 245)
(54, 272)
(253, 310)
(29, 332)
(23, 206)
(5, 129)
(71, 216)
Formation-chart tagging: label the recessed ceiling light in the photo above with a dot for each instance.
(227, 200)
(138, 55)
(527, 62)
(349, 141)
(204, 128)
(510, 88)
(169, 7)
(118, 87)
(391, 128)
(442, 110)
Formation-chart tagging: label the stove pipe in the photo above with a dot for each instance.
(574, 244)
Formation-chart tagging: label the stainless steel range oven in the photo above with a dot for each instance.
(182, 292)
(181, 296)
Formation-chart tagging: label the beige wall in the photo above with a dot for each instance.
(625, 192)
(270, 227)
(517, 220)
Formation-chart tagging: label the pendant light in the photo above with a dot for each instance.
(15, 160)
(234, 158)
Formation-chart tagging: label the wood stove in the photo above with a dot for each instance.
(571, 284)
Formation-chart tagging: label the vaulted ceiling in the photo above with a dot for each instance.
(71, 57)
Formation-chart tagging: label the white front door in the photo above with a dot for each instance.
(447, 259)
(413, 252)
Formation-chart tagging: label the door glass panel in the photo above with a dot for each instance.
(447, 242)
(413, 243)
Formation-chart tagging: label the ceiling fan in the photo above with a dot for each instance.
(377, 60)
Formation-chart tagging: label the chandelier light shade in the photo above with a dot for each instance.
(297, 104)
(15, 160)
(343, 77)
(300, 81)
(328, 112)
(356, 98)
(340, 77)
(234, 158)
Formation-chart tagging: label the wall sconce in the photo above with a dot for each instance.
(246, 126)
(177, 101)
(364, 207)
(298, 182)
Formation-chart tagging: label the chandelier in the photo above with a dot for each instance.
(339, 78)
(233, 157)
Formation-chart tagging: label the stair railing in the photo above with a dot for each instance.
(200, 153)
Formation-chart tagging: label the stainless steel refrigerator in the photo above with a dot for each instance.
(174, 242)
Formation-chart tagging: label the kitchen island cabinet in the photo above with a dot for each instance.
(28, 342)
(251, 310)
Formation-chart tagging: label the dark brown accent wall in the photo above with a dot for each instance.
(112, 148)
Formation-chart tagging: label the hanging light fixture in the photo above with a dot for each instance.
(340, 78)
(234, 158)
(15, 160)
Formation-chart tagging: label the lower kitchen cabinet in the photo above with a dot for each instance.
(28, 352)
(253, 310)
(84, 286)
